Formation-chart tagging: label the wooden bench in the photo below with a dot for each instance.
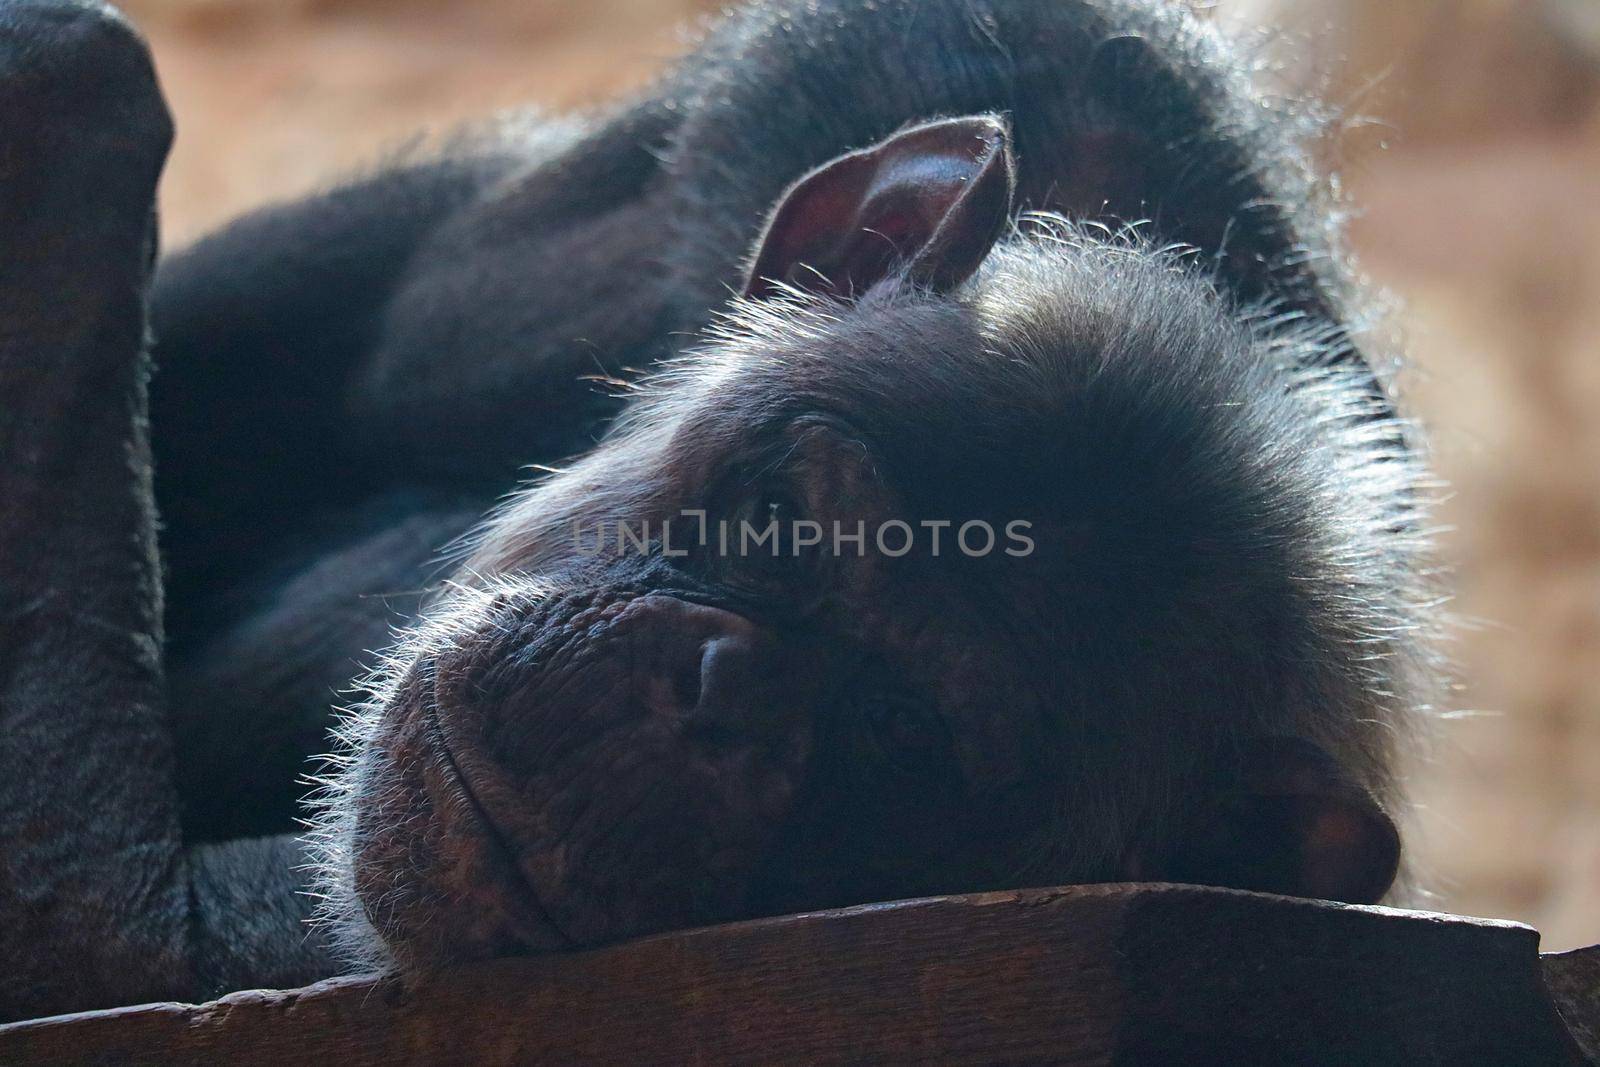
(1121, 974)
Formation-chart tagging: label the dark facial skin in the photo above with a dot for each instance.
(592, 745)
(498, 744)
(659, 746)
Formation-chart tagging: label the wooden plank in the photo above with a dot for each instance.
(1128, 974)
(1573, 979)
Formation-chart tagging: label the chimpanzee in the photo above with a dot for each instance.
(1015, 499)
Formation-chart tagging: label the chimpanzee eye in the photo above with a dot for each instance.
(769, 506)
(779, 507)
(764, 542)
(764, 524)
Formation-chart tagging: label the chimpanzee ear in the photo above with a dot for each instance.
(1297, 825)
(930, 200)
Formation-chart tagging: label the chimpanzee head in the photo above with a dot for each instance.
(964, 553)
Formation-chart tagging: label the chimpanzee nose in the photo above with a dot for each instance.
(733, 670)
(716, 675)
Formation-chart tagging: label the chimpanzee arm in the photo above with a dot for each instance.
(313, 363)
(486, 356)
(1123, 111)
(257, 328)
(395, 329)
(100, 903)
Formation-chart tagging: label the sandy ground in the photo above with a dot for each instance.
(1483, 215)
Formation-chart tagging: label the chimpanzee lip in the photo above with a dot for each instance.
(446, 704)
(514, 880)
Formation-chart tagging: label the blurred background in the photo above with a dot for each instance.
(1477, 178)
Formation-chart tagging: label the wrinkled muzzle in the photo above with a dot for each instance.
(574, 770)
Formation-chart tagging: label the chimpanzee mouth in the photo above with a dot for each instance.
(566, 771)
(509, 878)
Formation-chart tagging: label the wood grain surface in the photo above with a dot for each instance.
(1573, 979)
(1125, 974)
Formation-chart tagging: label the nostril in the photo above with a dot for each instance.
(674, 688)
(686, 684)
(723, 687)
(703, 668)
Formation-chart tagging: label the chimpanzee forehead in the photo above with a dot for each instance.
(1042, 368)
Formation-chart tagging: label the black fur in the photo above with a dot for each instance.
(345, 385)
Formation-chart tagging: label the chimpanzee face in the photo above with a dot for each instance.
(968, 566)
